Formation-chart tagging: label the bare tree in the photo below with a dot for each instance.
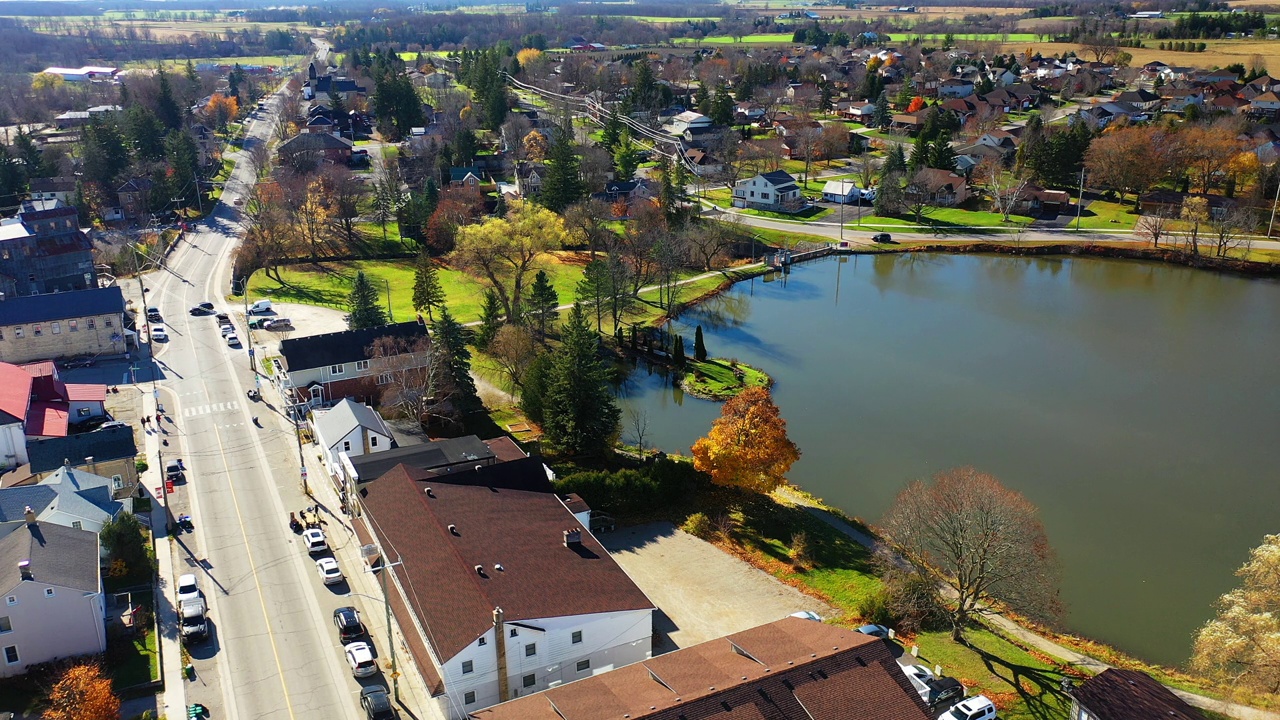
(1103, 47)
(982, 540)
(833, 142)
(1229, 229)
(918, 196)
(1006, 189)
(1195, 212)
(585, 224)
(1155, 225)
(638, 423)
(707, 243)
(414, 378)
(513, 349)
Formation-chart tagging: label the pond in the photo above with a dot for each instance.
(1132, 402)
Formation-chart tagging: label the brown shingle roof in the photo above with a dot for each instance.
(1132, 695)
(791, 669)
(518, 529)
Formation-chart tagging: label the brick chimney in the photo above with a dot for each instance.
(500, 646)
(29, 514)
(24, 568)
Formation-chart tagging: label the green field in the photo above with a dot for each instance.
(759, 39)
(973, 37)
(270, 60)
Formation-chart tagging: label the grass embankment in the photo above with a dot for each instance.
(721, 378)
(723, 198)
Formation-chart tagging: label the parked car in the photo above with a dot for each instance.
(944, 690)
(977, 707)
(376, 703)
(329, 571)
(153, 314)
(223, 319)
(188, 589)
(919, 676)
(360, 658)
(314, 540)
(259, 307)
(807, 615)
(226, 329)
(173, 469)
(233, 340)
(159, 334)
(883, 238)
(879, 631)
(869, 194)
(194, 624)
(347, 620)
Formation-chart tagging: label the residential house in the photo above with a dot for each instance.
(1214, 76)
(962, 108)
(1228, 103)
(518, 595)
(315, 148)
(790, 669)
(318, 370)
(62, 324)
(108, 452)
(841, 191)
(1117, 694)
(703, 163)
(54, 609)
(469, 176)
(955, 88)
(44, 252)
(907, 123)
(747, 112)
(1036, 201)
(793, 127)
(62, 189)
(529, 178)
(208, 150)
(68, 498)
(1004, 77)
(135, 198)
(438, 80)
(1140, 98)
(941, 188)
(324, 86)
(1177, 100)
(320, 124)
(626, 190)
(444, 455)
(970, 156)
(1265, 105)
(56, 404)
(349, 428)
(861, 111)
(776, 191)
(687, 119)
(1001, 140)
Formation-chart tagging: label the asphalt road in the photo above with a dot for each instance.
(273, 652)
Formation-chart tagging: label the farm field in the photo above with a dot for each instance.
(757, 39)
(271, 60)
(174, 28)
(1220, 53)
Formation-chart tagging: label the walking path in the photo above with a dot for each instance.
(1042, 644)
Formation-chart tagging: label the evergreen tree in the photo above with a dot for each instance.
(580, 414)
(613, 129)
(941, 154)
(541, 303)
(103, 153)
(33, 162)
(699, 348)
(533, 387)
(451, 337)
(366, 310)
(880, 117)
(490, 320)
(722, 106)
(626, 158)
(563, 185)
(678, 354)
(12, 182)
(702, 100)
(595, 289)
(184, 159)
(234, 78)
(895, 162)
(427, 293)
(167, 110)
(338, 109)
(919, 154)
(145, 133)
(191, 73)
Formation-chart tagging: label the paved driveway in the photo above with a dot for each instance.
(702, 593)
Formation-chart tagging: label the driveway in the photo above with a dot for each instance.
(702, 593)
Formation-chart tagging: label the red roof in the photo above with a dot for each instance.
(15, 391)
(41, 369)
(47, 420)
(77, 392)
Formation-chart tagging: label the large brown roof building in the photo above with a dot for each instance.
(792, 669)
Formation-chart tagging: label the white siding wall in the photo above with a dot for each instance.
(13, 446)
(68, 624)
(357, 447)
(609, 640)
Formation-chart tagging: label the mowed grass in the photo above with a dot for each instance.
(1022, 686)
(265, 60)
(1103, 215)
(756, 39)
(1218, 53)
(329, 284)
(715, 378)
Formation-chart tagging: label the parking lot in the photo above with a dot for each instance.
(702, 593)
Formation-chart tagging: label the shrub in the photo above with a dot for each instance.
(698, 525)
(799, 551)
(874, 608)
(914, 602)
(629, 491)
(141, 465)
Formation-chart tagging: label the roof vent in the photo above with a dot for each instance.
(573, 538)
(24, 568)
(453, 530)
(478, 468)
(29, 514)
(480, 571)
(498, 567)
(430, 494)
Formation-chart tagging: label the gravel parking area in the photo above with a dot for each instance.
(701, 592)
(307, 320)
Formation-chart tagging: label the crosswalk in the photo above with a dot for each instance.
(210, 408)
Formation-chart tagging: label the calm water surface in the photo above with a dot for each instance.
(1133, 403)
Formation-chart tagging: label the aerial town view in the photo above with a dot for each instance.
(458, 361)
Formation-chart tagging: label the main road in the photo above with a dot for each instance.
(273, 652)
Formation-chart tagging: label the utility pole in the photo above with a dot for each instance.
(391, 640)
(1273, 209)
(390, 316)
(1080, 200)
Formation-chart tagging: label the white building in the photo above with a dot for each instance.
(54, 609)
(688, 120)
(775, 191)
(841, 191)
(68, 498)
(352, 428)
(83, 73)
(518, 595)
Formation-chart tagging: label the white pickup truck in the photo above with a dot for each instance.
(195, 626)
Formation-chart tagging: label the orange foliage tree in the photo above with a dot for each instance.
(221, 109)
(748, 445)
(82, 693)
(917, 104)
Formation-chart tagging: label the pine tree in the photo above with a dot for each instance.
(563, 184)
(626, 158)
(722, 106)
(542, 302)
(490, 320)
(26, 149)
(612, 132)
(145, 133)
(919, 154)
(167, 109)
(678, 353)
(12, 183)
(449, 335)
(191, 73)
(941, 154)
(699, 348)
(533, 387)
(366, 311)
(880, 117)
(594, 289)
(427, 293)
(581, 414)
(896, 162)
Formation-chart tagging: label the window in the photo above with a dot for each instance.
(117, 482)
(11, 654)
(337, 369)
(17, 332)
(531, 649)
(77, 525)
(74, 325)
(5, 625)
(576, 637)
(346, 446)
(584, 665)
(105, 323)
(35, 330)
(92, 323)
(515, 632)
(483, 642)
(384, 378)
(469, 697)
(373, 441)
(362, 365)
(468, 667)
(529, 680)
(12, 600)
(48, 592)
(57, 328)
(83, 412)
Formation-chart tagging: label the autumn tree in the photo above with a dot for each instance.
(1154, 225)
(983, 540)
(123, 539)
(1129, 160)
(916, 105)
(83, 693)
(414, 378)
(1207, 150)
(221, 109)
(504, 250)
(748, 445)
(513, 348)
(1006, 189)
(1241, 645)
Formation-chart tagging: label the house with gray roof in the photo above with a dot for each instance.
(108, 452)
(68, 498)
(349, 428)
(52, 584)
(62, 324)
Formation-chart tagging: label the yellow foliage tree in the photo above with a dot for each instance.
(535, 146)
(1244, 168)
(82, 693)
(505, 250)
(221, 109)
(1241, 646)
(528, 55)
(46, 81)
(748, 445)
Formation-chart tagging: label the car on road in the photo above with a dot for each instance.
(360, 658)
(879, 631)
(223, 319)
(153, 314)
(329, 571)
(347, 620)
(977, 707)
(159, 334)
(376, 703)
(226, 328)
(313, 539)
(204, 308)
(233, 340)
(188, 589)
(239, 202)
(883, 238)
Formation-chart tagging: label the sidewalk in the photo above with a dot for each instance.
(1042, 644)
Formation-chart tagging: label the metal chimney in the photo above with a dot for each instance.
(29, 514)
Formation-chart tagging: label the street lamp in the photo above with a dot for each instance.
(391, 641)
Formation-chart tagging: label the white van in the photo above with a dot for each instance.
(261, 306)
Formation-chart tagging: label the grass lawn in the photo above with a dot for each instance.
(948, 218)
(782, 238)
(1022, 686)
(133, 658)
(715, 378)
(265, 60)
(757, 39)
(389, 152)
(1103, 215)
(724, 199)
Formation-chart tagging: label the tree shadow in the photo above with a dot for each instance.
(1045, 700)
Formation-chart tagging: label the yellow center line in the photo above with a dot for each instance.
(253, 568)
